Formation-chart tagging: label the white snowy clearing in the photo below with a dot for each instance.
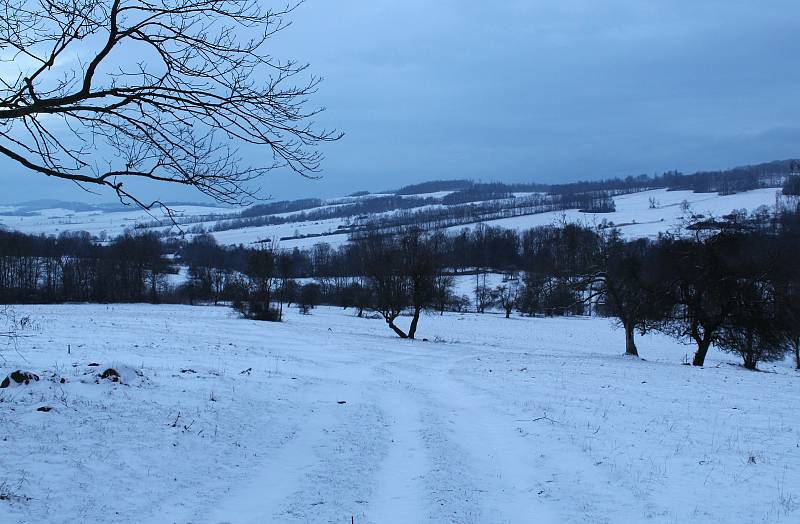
(634, 216)
(327, 418)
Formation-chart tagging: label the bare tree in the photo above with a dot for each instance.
(7, 323)
(507, 297)
(443, 291)
(754, 327)
(483, 293)
(628, 287)
(381, 261)
(421, 264)
(8, 327)
(201, 86)
(402, 274)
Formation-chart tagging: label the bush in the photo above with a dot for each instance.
(791, 187)
(753, 345)
(560, 299)
(310, 295)
(254, 310)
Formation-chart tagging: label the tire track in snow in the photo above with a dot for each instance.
(479, 474)
(259, 498)
(402, 473)
(464, 473)
(571, 479)
(346, 456)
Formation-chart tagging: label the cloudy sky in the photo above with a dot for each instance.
(535, 90)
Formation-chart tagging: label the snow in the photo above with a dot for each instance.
(114, 223)
(464, 285)
(276, 232)
(489, 421)
(636, 219)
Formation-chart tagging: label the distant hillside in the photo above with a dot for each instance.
(442, 204)
(434, 186)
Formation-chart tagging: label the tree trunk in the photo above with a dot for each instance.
(508, 312)
(414, 321)
(153, 289)
(750, 357)
(630, 345)
(396, 329)
(797, 352)
(702, 351)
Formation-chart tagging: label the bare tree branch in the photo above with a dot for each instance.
(201, 87)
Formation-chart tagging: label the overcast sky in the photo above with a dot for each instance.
(544, 91)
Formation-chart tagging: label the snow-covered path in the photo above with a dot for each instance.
(328, 418)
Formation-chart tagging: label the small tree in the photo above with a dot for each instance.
(560, 298)
(506, 297)
(784, 276)
(358, 296)
(219, 282)
(791, 187)
(8, 324)
(380, 258)
(289, 291)
(530, 293)
(443, 292)
(753, 329)
(402, 272)
(421, 265)
(261, 275)
(483, 293)
(699, 282)
(628, 287)
(310, 295)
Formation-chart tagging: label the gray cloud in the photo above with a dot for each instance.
(535, 90)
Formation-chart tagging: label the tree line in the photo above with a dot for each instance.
(594, 196)
(75, 267)
(734, 285)
(743, 178)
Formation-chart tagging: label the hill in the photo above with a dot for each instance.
(641, 206)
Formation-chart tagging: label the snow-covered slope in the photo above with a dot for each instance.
(634, 215)
(635, 218)
(328, 417)
(52, 221)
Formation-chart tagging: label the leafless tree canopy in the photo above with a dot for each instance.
(7, 323)
(99, 91)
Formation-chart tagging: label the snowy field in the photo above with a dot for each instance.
(634, 216)
(328, 417)
(113, 223)
(636, 219)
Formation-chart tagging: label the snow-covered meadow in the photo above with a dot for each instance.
(329, 417)
(635, 215)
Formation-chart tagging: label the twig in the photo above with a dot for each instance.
(543, 417)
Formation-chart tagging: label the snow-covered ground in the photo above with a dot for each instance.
(634, 216)
(274, 233)
(636, 219)
(113, 223)
(328, 417)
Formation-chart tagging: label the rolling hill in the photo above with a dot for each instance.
(641, 207)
